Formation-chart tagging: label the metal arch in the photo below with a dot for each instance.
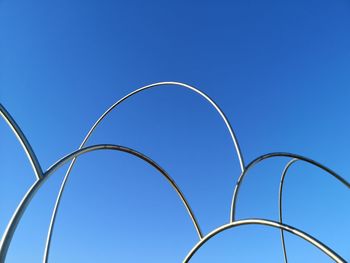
(180, 84)
(280, 194)
(23, 140)
(280, 203)
(42, 177)
(158, 84)
(310, 239)
(11, 227)
(278, 154)
(141, 156)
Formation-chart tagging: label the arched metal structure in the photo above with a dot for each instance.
(278, 154)
(280, 199)
(42, 177)
(110, 109)
(325, 249)
(11, 227)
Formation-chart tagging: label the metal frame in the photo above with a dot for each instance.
(41, 178)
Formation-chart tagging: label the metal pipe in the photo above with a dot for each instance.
(278, 154)
(154, 85)
(11, 227)
(16, 217)
(280, 194)
(325, 249)
(23, 140)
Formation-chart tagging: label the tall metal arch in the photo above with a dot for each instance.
(11, 227)
(42, 177)
(110, 109)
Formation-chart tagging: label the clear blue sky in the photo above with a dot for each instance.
(278, 69)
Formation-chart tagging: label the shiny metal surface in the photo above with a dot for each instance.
(278, 154)
(11, 227)
(42, 177)
(325, 249)
(23, 140)
(110, 109)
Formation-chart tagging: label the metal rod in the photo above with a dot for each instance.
(11, 227)
(325, 249)
(42, 177)
(110, 109)
(23, 140)
(16, 217)
(278, 154)
(280, 195)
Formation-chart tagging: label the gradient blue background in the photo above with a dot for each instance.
(279, 70)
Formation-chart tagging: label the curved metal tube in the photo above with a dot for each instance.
(183, 85)
(159, 84)
(285, 170)
(11, 227)
(325, 249)
(278, 154)
(23, 140)
(16, 217)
